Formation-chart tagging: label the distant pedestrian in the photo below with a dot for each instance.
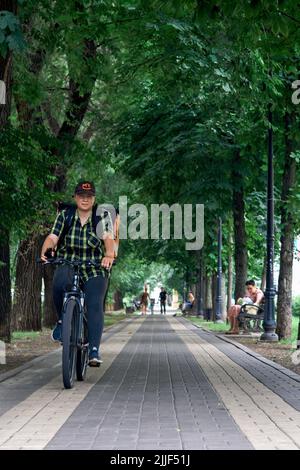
(144, 301)
(162, 299)
(152, 303)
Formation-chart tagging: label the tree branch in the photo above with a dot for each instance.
(289, 16)
(52, 121)
(78, 103)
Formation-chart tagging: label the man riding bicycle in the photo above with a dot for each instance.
(82, 243)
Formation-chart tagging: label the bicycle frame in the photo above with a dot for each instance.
(78, 295)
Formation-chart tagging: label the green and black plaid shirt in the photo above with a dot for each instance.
(81, 243)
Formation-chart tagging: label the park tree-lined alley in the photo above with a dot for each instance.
(165, 102)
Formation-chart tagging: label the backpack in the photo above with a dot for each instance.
(70, 210)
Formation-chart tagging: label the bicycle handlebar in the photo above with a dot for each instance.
(75, 263)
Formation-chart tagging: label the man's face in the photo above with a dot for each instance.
(84, 202)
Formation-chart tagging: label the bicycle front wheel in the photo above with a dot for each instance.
(82, 353)
(69, 340)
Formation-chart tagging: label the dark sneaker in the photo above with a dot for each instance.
(56, 334)
(94, 359)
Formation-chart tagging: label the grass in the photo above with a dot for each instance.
(109, 319)
(210, 325)
(114, 317)
(23, 335)
(221, 327)
(293, 340)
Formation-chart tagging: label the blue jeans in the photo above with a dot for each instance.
(95, 292)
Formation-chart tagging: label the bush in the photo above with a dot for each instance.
(296, 306)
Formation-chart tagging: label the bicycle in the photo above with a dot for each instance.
(74, 325)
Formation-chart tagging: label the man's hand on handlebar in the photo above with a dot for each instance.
(49, 253)
(48, 258)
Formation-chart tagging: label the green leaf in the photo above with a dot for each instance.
(8, 20)
(15, 41)
(226, 87)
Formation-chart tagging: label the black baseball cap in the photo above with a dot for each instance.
(85, 187)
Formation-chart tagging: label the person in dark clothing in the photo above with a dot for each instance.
(162, 299)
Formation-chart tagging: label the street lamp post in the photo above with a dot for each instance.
(219, 277)
(269, 309)
(200, 288)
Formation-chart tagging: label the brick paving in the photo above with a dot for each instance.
(267, 420)
(154, 396)
(164, 384)
(281, 381)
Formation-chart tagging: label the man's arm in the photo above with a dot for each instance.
(109, 256)
(259, 297)
(50, 242)
(52, 239)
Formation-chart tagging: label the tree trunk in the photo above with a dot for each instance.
(229, 282)
(49, 311)
(6, 69)
(118, 302)
(208, 297)
(204, 279)
(5, 286)
(284, 302)
(223, 294)
(240, 237)
(199, 285)
(213, 294)
(5, 110)
(27, 300)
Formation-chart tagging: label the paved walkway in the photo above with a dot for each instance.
(164, 384)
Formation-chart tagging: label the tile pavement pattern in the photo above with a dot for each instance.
(154, 396)
(163, 385)
(267, 420)
(278, 381)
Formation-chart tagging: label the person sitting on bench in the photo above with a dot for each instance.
(255, 294)
(188, 305)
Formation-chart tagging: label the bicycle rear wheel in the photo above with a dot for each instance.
(69, 340)
(82, 353)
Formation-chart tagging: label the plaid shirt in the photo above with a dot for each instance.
(81, 243)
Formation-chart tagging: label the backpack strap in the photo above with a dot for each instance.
(115, 220)
(70, 210)
(95, 218)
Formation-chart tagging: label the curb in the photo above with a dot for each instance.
(11, 373)
(292, 375)
(17, 370)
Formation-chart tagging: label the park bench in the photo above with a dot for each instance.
(251, 317)
(187, 310)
